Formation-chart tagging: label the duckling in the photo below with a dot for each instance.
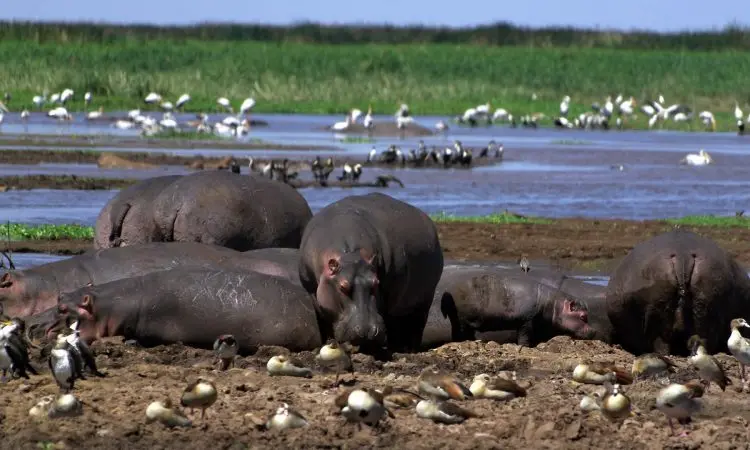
(615, 405)
(200, 393)
(680, 401)
(164, 412)
(281, 365)
(708, 367)
(591, 402)
(362, 405)
(225, 349)
(334, 356)
(399, 398)
(739, 346)
(441, 385)
(284, 418)
(443, 412)
(484, 386)
(651, 364)
(42, 407)
(66, 405)
(598, 373)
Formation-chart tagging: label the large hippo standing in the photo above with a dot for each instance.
(128, 218)
(373, 263)
(33, 290)
(673, 286)
(495, 300)
(195, 306)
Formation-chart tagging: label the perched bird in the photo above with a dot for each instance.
(599, 373)
(484, 386)
(615, 405)
(442, 411)
(651, 364)
(65, 367)
(708, 367)
(334, 356)
(284, 418)
(200, 393)
(66, 405)
(739, 346)
(362, 405)
(523, 262)
(281, 365)
(441, 385)
(225, 348)
(680, 401)
(164, 412)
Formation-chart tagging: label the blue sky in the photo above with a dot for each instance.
(659, 15)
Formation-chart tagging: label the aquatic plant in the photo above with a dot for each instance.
(21, 232)
(503, 218)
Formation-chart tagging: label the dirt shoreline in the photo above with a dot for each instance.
(572, 244)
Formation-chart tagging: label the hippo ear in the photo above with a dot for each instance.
(87, 303)
(333, 267)
(6, 280)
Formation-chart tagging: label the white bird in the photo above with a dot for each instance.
(222, 129)
(680, 401)
(609, 107)
(709, 120)
(403, 111)
(737, 111)
(628, 106)
(355, 113)
(362, 405)
(564, 106)
(618, 99)
(124, 124)
(59, 113)
(133, 113)
(167, 106)
(25, 114)
(225, 103)
(95, 114)
(232, 121)
(441, 126)
(184, 98)
(152, 98)
(66, 95)
(167, 121)
(484, 110)
(341, 126)
(500, 114)
(648, 110)
(87, 98)
(54, 98)
(680, 117)
(247, 105)
(739, 346)
(38, 101)
(470, 114)
(661, 99)
(652, 121)
(402, 122)
(367, 122)
(702, 158)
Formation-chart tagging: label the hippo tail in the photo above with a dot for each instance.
(117, 217)
(683, 267)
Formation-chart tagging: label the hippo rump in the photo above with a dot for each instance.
(373, 263)
(504, 306)
(672, 286)
(280, 262)
(195, 306)
(33, 290)
(215, 207)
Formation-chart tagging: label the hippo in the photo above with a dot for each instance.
(503, 305)
(194, 306)
(27, 292)
(373, 263)
(127, 218)
(215, 207)
(672, 286)
(281, 262)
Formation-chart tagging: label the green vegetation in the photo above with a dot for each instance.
(169, 133)
(712, 221)
(21, 232)
(569, 142)
(357, 140)
(503, 218)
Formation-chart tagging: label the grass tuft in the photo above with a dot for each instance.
(712, 221)
(497, 218)
(22, 232)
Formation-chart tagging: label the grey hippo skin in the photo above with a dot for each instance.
(672, 286)
(280, 262)
(373, 263)
(128, 218)
(27, 292)
(503, 306)
(195, 306)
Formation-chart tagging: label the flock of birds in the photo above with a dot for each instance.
(433, 398)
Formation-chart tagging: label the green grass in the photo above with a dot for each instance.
(316, 78)
(712, 221)
(193, 135)
(357, 140)
(498, 219)
(21, 232)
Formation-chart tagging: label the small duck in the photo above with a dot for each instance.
(164, 412)
(680, 401)
(708, 367)
(65, 367)
(42, 407)
(280, 365)
(443, 412)
(599, 373)
(284, 418)
(651, 364)
(225, 349)
(334, 356)
(200, 393)
(484, 386)
(615, 405)
(441, 385)
(739, 346)
(362, 405)
(66, 405)
(399, 398)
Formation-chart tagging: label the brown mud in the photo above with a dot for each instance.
(548, 417)
(588, 245)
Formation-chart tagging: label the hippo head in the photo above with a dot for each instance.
(572, 316)
(349, 297)
(76, 306)
(23, 294)
(38, 324)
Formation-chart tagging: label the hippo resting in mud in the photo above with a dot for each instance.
(504, 306)
(195, 306)
(26, 292)
(215, 207)
(373, 263)
(673, 286)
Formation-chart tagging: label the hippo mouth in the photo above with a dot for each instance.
(577, 309)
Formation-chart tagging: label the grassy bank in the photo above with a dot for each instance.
(21, 232)
(308, 78)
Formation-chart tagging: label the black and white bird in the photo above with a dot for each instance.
(65, 367)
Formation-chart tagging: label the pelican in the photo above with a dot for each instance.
(708, 118)
(341, 126)
(367, 122)
(247, 105)
(224, 103)
(59, 113)
(95, 114)
(700, 159)
(737, 111)
(167, 106)
(470, 115)
(483, 110)
(152, 98)
(124, 124)
(500, 114)
(184, 98)
(87, 98)
(66, 95)
(564, 106)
